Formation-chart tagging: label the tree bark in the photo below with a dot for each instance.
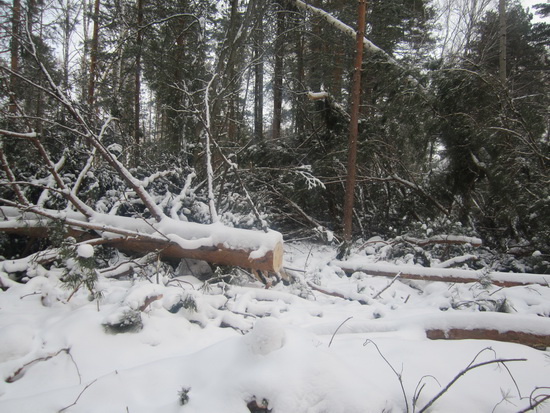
(93, 56)
(278, 74)
(216, 244)
(354, 125)
(502, 40)
(14, 51)
(540, 341)
(259, 79)
(137, 82)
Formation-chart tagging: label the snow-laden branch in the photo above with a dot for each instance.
(92, 138)
(177, 201)
(338, 24)
(11, 177)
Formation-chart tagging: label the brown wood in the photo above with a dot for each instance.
(520, 337)
(272, 261)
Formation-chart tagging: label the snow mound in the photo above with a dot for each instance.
(85, 251)
(268, 335)
(16, 341)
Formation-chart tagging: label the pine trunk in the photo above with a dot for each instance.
(14, 46)
(502, 36)
(137, 81)
(278, 74)
(259, 80)
(354, 125)
(93, 55)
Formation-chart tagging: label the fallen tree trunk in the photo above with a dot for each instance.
(528, 330)
(452, 275)
(170, 238)
(539, 341)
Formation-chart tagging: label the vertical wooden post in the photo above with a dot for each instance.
(354, 123)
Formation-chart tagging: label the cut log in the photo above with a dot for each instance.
(172, 239)
(271, 261)
(539, 341)
(451, 275)
(528, 330)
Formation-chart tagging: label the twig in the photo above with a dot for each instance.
(334, 294)
(388, 286)
(462, 373)
(418, 390)
(538, 400)
(335, 331)
(149, 300)
(78, 397)
(21, 370)
(399, 375)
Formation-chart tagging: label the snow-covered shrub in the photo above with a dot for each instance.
(183, 395)
(123, 320)
(80, 267)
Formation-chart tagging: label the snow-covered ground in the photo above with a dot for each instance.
(217, 347)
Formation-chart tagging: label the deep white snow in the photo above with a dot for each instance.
(224, 345)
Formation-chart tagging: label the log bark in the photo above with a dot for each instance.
(173, 240)
(272, 261)
(539, 341)
(443, 274)
(457, 325)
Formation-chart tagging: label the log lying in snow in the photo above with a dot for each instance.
(270, 260)
(214, 243)
(443, 239)
(539, 341)
(452, 275)
(528, 330)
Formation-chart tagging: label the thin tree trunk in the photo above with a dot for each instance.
(354, 124)
(278, 74)
(137, 81)
(93, 57)
(299, 110)
(66, 45)
(502, 33)
(14, 46)
(259, 80)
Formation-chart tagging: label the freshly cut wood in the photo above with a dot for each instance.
(452, 275)
(173, 239)
(271, 261)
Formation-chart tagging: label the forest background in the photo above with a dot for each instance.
(449, 141)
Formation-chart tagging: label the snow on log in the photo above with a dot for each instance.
(528, 330)
(443, 239)
(215, 243)
(452, 275)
